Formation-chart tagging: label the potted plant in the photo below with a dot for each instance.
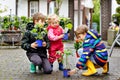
(66, 24)
(39, 32)
(23, 19)
(67, 52)
(77, 45)
(6, 23)
(14, 23)
(23, 22)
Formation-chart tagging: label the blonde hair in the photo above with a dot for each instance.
(52, 18)
(39, 16)
(82, 29)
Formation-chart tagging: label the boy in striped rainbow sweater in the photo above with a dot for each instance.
(94, 54)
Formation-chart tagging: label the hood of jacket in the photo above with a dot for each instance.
(30, 26)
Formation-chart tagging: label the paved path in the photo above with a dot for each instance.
(14, 65)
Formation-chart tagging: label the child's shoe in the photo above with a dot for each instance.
(105, 68)
(40, 67)
(61, 66)
(32, 68)
(91, 69)
(52, 66)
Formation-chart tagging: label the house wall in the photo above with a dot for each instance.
(43, 6)
(10, 4)
(114, 6)
(22, 7)
(76, 19)
(64, 9)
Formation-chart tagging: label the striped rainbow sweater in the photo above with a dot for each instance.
(92, 45)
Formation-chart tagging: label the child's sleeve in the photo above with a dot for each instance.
(51, 36)
(87, 50)
(24, 42)
(62, 30)
(47, 41)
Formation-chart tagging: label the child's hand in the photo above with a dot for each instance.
(78, 40)
(34, 45)
(61, 36)
(44, 44)
(68, 34)
(72, 72)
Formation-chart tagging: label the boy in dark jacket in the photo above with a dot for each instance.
(36, 55)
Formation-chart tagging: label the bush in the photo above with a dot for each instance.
(7, 22)
(66, 22)
(116, 18)
(118, 1)
(118, 9)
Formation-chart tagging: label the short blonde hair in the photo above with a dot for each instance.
(82, 29)
(52, 18)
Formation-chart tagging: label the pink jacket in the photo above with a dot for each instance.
(56, 44)
(54, 32)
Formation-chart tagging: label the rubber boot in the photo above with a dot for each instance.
(61, 66)
(40, 67)
(91, 69)
(97, 66)
(105, 68)
(32, 68)
(51, 65)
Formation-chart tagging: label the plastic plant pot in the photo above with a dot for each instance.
(65, 73)
(65, 36)
(39, 42)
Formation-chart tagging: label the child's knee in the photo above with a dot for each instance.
(48, 71)
(80, 51)
(36, 62)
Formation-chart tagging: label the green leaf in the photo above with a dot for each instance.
(66, 23)
(67, 52)
(34, 30)
(69, 26)
(77, 45)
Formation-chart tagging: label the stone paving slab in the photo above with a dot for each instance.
(14, 65)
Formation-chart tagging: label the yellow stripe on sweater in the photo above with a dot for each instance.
(103, 50)
(92, 34)
(85, 52)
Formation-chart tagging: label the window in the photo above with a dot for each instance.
(34, 7)
(51, 6)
